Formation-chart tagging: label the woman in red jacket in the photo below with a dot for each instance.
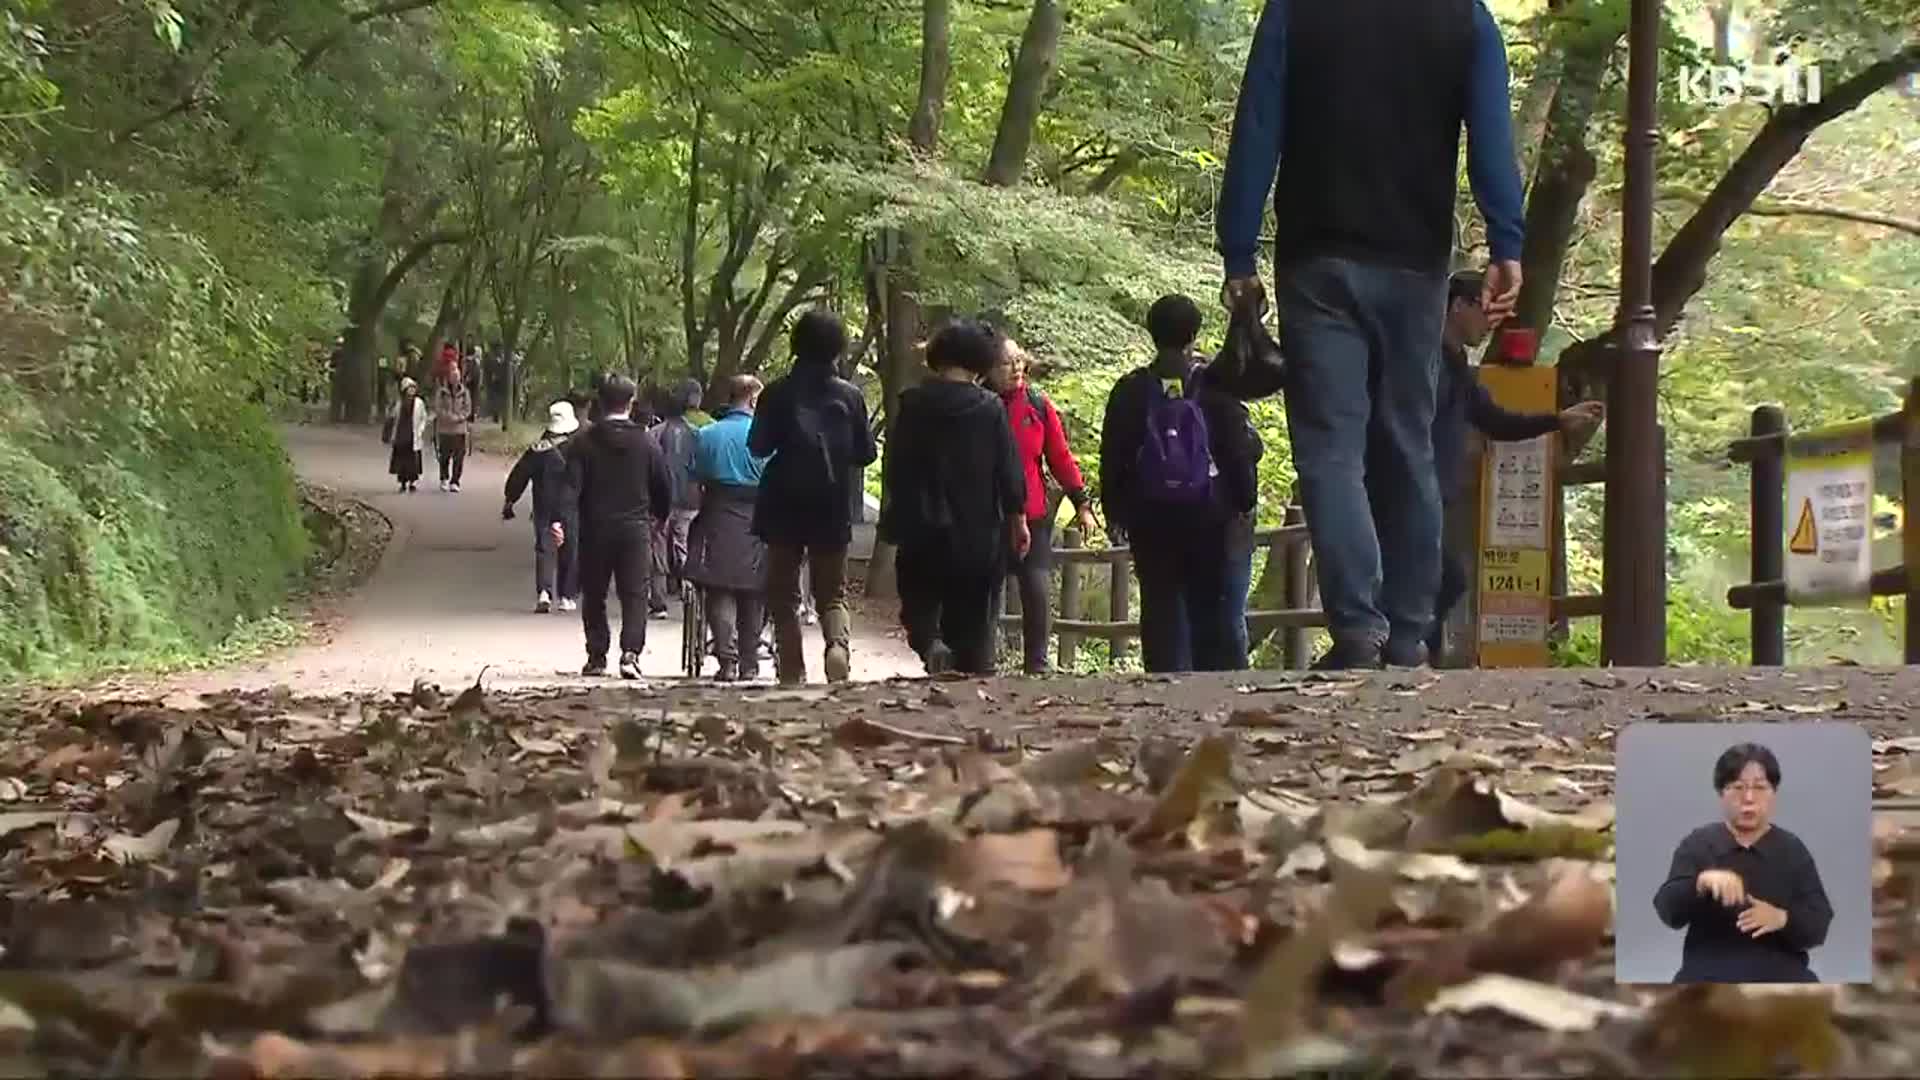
(1038, 437)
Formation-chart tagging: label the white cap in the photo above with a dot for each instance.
(560, 418)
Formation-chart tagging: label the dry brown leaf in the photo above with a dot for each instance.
(1730, 1030)
(1027, 860)
(384, 830)
(859, 731)
(146, 847)
(1541, 1004)
(1206, 771)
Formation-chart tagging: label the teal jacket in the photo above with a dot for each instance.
(720, 455)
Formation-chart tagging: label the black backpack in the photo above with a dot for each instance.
(812, 455)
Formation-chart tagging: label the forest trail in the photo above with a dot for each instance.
(454, 594)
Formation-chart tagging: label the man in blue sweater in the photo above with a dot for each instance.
(1356, 108)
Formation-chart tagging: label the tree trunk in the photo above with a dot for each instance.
(1681, 270)
(936, 64)
(1564, 169)
(1722, 15)
(1033, 69)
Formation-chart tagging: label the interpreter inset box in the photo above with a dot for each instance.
(1743, 853)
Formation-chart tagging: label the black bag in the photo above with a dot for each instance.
(1249, 366)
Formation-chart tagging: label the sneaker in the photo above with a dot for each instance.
(443, 485)
(630, 665)
(657, 612)
(839, 664)
(544, 604)
(1394, 656)
(596, 667)
(454, 487)
(568, 603)
(1350, 655)
(939, 659)
(729, 672)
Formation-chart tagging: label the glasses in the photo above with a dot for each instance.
(1744, 788)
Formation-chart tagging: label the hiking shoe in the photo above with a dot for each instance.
(629, 665)
(544, 604)
(939, 659)
(659, 612)
(454, 487)
(596, 667)
(568, 603)
(1397, 656)
(1350, 655)
(729, 672)
(839, 664)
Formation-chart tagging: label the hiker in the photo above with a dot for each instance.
(1365, 198)
(956, 502)
(556, 500)
(725, 561)
(408, 423)
(1178, 462)
(1461, 402)
(675, 435)
(1040, 442)
(813, 424)
(624, 489)
(452, 413)
(1233, 650)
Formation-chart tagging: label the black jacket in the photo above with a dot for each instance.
(1461, 402)
(676, 439)
(1231, 439)
(623, 479)
(952, 475)
(784, 513)
(555, 479)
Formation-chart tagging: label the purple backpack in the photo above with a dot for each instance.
(1176, 460)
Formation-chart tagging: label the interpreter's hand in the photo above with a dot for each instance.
(1022, 537)
(1237, 288)
(1501, 291)
(559, 532)
(1723, 885)
(1583, 418)
(1761, 919)
(506, 512)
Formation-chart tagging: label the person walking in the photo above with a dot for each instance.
(813, 425)
(408, 422)
(1364, 201)
(452, 417)
(1040, 443)
(676, 437)
(955, 503)
(556, 500)
(624, 489)
(1178, 470)
(725, 561)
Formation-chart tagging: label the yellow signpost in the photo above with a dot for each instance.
(1515, 526)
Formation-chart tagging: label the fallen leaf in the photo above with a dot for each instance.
(1541, 1004)
(1028, 860)
(146, 847)
(14, 821)
(537, 746)
(859, 731)
(1206, 771)
(385, 830)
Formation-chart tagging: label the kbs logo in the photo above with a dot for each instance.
(1789, 83)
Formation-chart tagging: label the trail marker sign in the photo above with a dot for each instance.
(1830, 506)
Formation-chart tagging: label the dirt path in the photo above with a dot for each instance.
(454, 593)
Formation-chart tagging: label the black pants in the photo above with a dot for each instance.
(736, 617)
(1453, 586)
(453, 457)
(620, 554)
(556, 567)
(1183, 608)
(1034, 575)
(948, 596)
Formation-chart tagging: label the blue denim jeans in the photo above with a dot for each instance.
(1362, 343)
(1234, 610)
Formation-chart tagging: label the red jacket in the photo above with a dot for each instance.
(1037, 434)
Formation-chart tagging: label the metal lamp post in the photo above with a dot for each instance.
(1634, 618)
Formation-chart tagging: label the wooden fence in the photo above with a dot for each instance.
(1286, 550)
(1765, 595)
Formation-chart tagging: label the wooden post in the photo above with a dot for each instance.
(1768, 542)
(1296, 594)
(1910, 529)
(1120, 603)
(1070, 602)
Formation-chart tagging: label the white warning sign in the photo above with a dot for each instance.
(1519, 511)
(1830, 515)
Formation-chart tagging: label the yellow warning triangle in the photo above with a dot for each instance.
(1806, 537)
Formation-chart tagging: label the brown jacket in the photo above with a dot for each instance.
(452, 408)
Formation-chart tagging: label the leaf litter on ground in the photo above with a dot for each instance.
(692, 883)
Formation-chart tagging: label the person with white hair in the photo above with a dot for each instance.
(556, 499)
(407, 432)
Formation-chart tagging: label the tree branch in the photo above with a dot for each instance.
(1863, 217)
(320, 48)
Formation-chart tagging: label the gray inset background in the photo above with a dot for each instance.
(1664, 789)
